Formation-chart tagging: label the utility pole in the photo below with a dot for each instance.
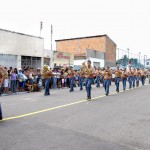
(145, 56)
(128, 55)
(51, 37)
(41, 27)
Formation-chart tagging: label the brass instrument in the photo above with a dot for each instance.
(46, 69)
(85, 69)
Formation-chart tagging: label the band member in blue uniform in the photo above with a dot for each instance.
(81, 79)
(118, 74)
(130, 78)
(47, 74)
(143, 76)
(71, 79)
(137, 76)
(89, 74)
(124, 78)
(2, 78)
(107, 79)
(98, 77)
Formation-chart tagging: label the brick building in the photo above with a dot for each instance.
(79, 46)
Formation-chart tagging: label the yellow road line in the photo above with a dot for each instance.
(44, 110)
(57, 107)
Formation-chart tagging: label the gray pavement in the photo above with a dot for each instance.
(117, 122)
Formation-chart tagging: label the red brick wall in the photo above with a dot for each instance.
(110, 54)
(79, 46)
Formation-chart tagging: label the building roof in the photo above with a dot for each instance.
(20, 33)
(81, 38)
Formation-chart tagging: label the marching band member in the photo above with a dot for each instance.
(102, 76)
(143, 76)
(2, 78)
(134, 77)
(118, 74)
(71, 79)
(124, 78)
(130, 78)
(98, 75)
(148, 74)
(81, 78)
(89, 72)
(107, 80)
(137, 74)
(47, 74)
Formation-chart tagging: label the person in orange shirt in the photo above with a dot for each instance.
(107, 80)
(124, 78)
(137, 75)
(2, 78)
(98, 75)
(71, 79)
(81, 79)
(118, 74)
(89, 74)
(47, 74)
(131, 78)
(143, 76)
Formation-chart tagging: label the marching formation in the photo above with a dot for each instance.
(86, 76)
(90, 75)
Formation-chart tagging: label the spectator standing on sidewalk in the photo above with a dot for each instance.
(6, 82)
(2, 77)
(21, 80)
(13, 78)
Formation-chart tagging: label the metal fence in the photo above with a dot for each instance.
(33, 62)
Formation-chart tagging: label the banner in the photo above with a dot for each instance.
(63, 58)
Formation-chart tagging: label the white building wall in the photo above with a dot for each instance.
(20, 44)
(49, 54)
(9, 61)
(147, 63)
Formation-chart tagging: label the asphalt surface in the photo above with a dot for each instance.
(66, 121)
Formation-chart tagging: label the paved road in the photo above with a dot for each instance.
(66, 121)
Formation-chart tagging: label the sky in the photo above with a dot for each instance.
(126, 22)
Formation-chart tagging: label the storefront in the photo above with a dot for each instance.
(63, 59)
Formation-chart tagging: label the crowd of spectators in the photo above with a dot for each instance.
(28, 79)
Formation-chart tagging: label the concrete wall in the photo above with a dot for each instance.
(48, 55)
(20, 44)
(10, 61)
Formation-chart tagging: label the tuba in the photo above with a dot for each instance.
(46, 68)
(85, 69)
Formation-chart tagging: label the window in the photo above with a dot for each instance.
(147, 63)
